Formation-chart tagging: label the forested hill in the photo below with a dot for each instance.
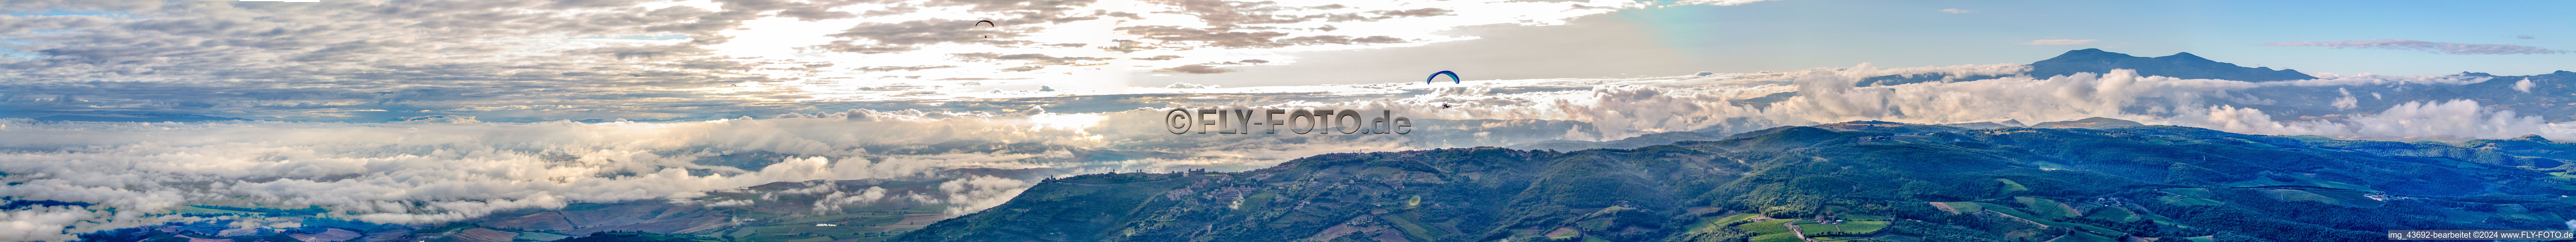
(2010, 184)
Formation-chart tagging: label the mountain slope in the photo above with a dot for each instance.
(1679, 136)
(2011, 184)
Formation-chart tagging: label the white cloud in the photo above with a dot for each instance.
(2058, 42)
(981, 192)
(2345, 102)
(1954, 10)
(1127, 37)
(662, 59)
(2428, 46)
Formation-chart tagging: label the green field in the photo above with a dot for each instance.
(2350, 198)
(2189, 192)
(1731, 220)
(2562, 176)
(1779, 237)
(1839, 238)
(2300, 181)
(1707, 225)
(1594, 224)
(2114, 214)
(1852, 227)
(1418, 230)
(1766, 227)
(2050, 209)
(2082, 237)
(2522, 212)
(2010, 187)
(2190, 201)
(2085, 227)
(2456, 215)
(2297, 195)
(1809, 226)
(1562, 233)
(1965, 207)
(2007, 210)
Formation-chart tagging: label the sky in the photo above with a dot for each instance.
(1802, 34)
(432, 111)
(1789, 35)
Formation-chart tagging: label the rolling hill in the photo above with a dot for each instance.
(2007, 184)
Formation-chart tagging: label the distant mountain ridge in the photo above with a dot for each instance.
(2179, 65)
(2544, 95)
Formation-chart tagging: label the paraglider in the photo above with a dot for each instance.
(987, 23)
(1453, 77)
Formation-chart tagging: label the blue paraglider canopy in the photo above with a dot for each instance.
(1453, 77)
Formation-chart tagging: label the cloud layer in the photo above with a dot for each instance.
(363, 60)
(2428, 46)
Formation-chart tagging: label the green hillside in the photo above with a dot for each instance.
(2012, 184)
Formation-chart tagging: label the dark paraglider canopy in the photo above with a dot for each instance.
(1453, 77)
(987, 23)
